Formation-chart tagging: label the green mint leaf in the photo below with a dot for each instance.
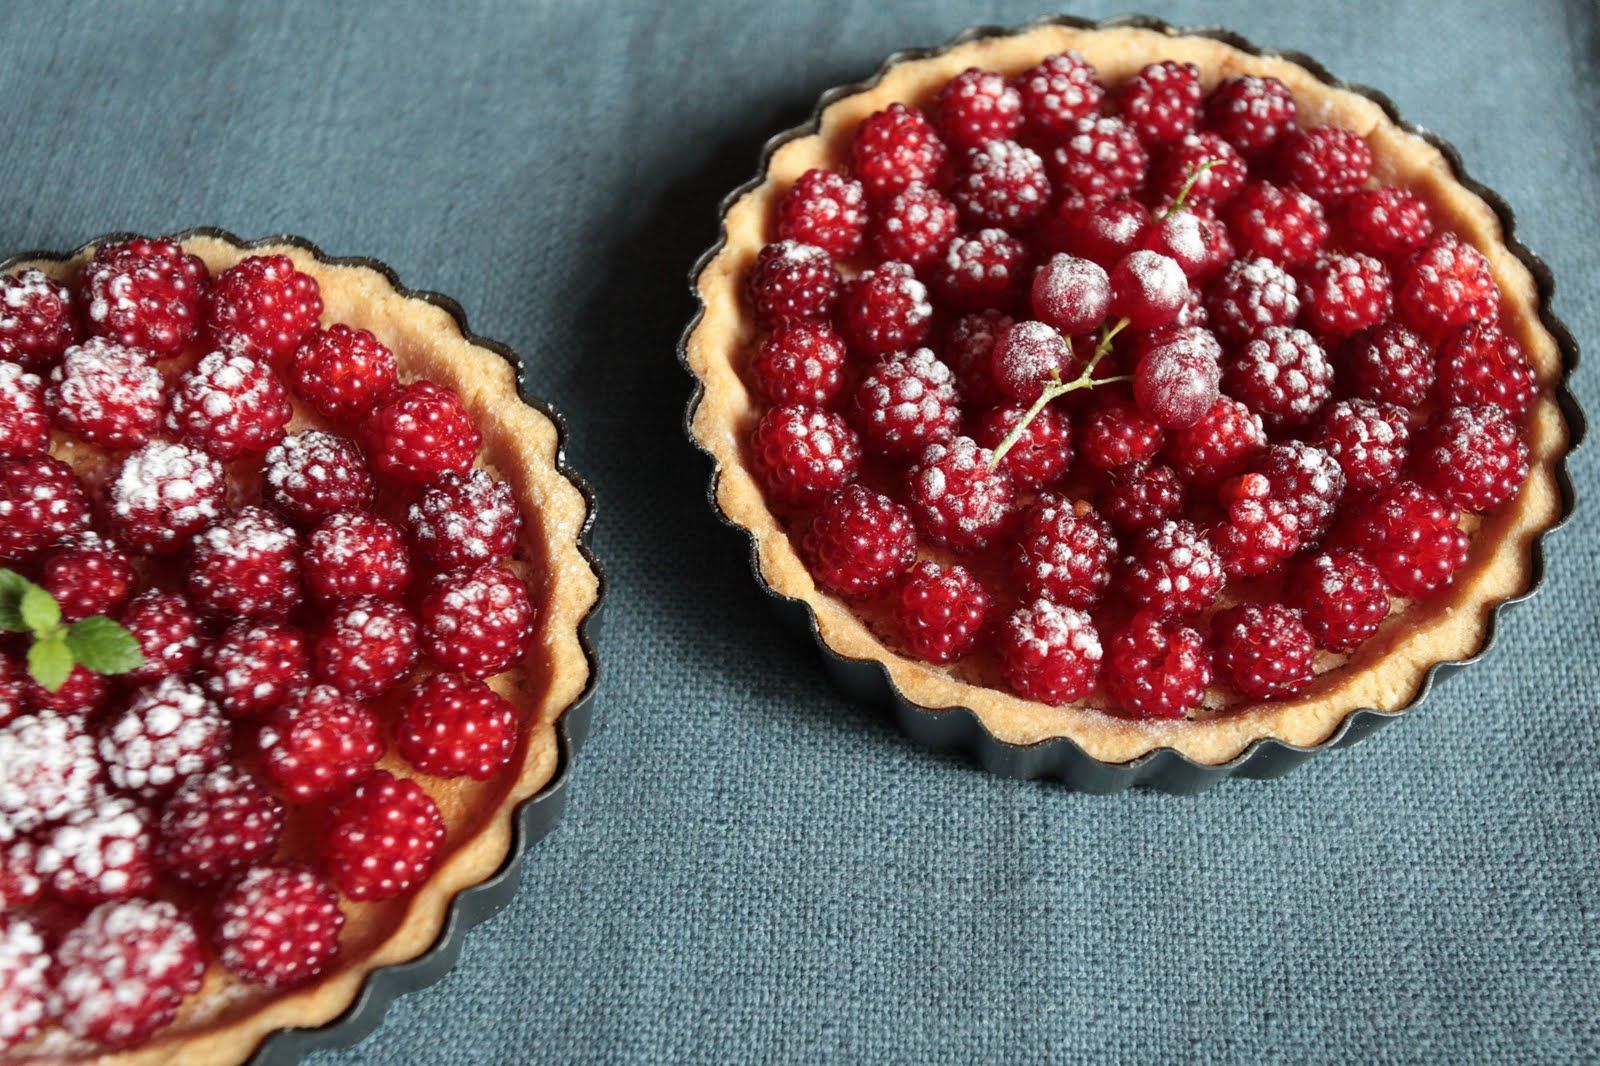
(104, 646)
(38, 609)
(12, 586)
(50, 661)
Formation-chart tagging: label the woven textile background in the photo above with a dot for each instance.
(752, 868)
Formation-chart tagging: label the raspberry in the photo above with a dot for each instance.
(1140, 495)
(1102, 232)
(915, 226)
(24, 421)
(421, 431)
(103, 851)
(145, 294)
(168, 732)
(1252, 113)
(1172, 569)
(802, 364)
(355, 554)
(168, 632)
(24, 981)
(47, 771)
(384, 839)
(230, 405)
(1040, 455)
(976, 107)
(1058, 92)
(1281, 224)
(859, 543)
(1099, 159)
(958, 501)
(885, 309)
(253, 667)
(1483, 364)
(1252, 295)
(310, 475)
(107, 394)
(969, 351)
(1071, 294)
(19, 886)
(83, 694)
(1175, 381)
(162, 495)
(1157, 669)
(1148, 289)
(452, 726)
(1065, 553)
(1162, 102)
(319, 743)
(1413, 537)
(478, 622)
(1389, 364)
(1194, 239)
(1328, 162)
(124, 972)
(1386, 222)
(1264, 650)
(825, 210)
(1221, 444)
(1340, 596)
(1472, 456)
(981, 270)
(893, 148)
(1116, 433)
(1283, 375)
(41, 501)
(906, 402)
(1370, 441)
(14, 685)
(246, 566)
(940, 611)
(37, 322)
(1049, 653)
(1218, 184)
(1309, 480)
(1026, 357)
(277, 926)
(343, 373)
(87, 575)
(802, 454)
(264, 306)
(464, 520)
(1446, 285)
(1260, 532)
(1001, 184)
(1346, 293)
(217, 823)
(366, 647)
(793, 282)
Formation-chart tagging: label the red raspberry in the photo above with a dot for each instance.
(41, 501)
(1193, 312)
(168, 732)
(478, 622)
(366, 647)
(14, 685)
(1484, 364)
(246, 566)
(163, 494)
(958, 501)
(1252, 113)
(1099, 159)
(793, 282)
(343, 373)
(1341, 597)
(802, 454)
(981, 270)
(1251, 295)
(19, 886)
(976, 107)
(802, 364)
(452, 726)
(1148, 289)
(1175, 381)
(1370, 441)
(169, 634)
(229, 405)
(146, 294)
(1001, 184)
(24, 981)
(87, 575)
(1140, 495)
(1346, 293)
(1173, 570)
(1328, 162)
(1264, 650)
(1026, 357)
(825, 210)
(906, 402)
(264, 306)
(1058, 92)
(1413, 537)
(310, 475)
(915, 226)
(125, 971)
(464, 520)
(969, 351)
(859, 543)
(1309, 480)
(217, 823)
(1260, 531)
(1281, 224)
(1040, 455)
(885, 309)
(893, 148)
(253, 667)
(421, 431)
(1116, 433)
(1194, 239)
(1064, 553)
(1446, 285)
(1071, 294)
(24, 421)
(37, 322)
(1389, 364)
(103, 851)
(319, 743)
(1102, 232)
(1049, 653)
(83, 694)
(1386, 222)
(1471, 455)
(1283, 375)
(384, 839)
(1218, 184)
(1221, 444)
(277, 926)
(940, 611)
(356, 554)
(47, 771)
(1157, 668)
(1162, 101)
(107, 394)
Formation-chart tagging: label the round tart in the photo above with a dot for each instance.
(295, 590)
(1152, 402)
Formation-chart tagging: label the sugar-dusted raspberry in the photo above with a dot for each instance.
(940, 611)
(859, 543)
(24, 420)
(246, 566)
(1049, 653)
(1472, 455)
(1040, 455)
(168, 732)
(163, 494)
(1172, 569)
(19, 884)
(126, 970)
(793, 282)
(264, 306)
(1263, 650)
(1284, 225)
(217, 823)
(450, 726)
(1116, 432)
(802, 454)
(1260, 531)
(906, 402)
(168, 631)
(464, 520)
(1157, 668)
(914, 226)
(1071, 294)
(1101, 231)
(1446, 285)
(1345, 294)
(1388, 364)
(895, 147)
(885, 309)
(1002, 184)
(365, 647)
(1064, 552)
(826, 210)
(87, 574)
(343, 373)
(37, 322)
(1328, 162)
(1176, 380)
(277, 926)
(83, 694)
(1162, 101)
(1217, 184)
(1099, 158)
(1387, 222)
(107, 393)
(981, 270)
(310, 475)
(145, 293)
(1309, 480)
(103, 851)
(24, 980)
(14, 683)
(41, 501)
(1251, 295)
(1140, 495)
(1252, 113)
(253, 667)
(47, 771)
(958, 501)
(384, 839)
(356, 554)
(319, 743)
(969, 351)
(800, 364)
(1341, 597)
(1413, 536)
(1057, 92)
(1194, 239)
(1370, 440)
(229, 404)
(1282, 374)
(1148, 289)
(1483, 364)
(479, 622)
(1193, 312)
(1026, 357)
(420, 431)
(1221, 444)
(976, 107)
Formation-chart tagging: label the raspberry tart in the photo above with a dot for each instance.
(1130, 405)
(293, 602)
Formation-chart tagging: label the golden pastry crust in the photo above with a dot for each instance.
(1387, 672)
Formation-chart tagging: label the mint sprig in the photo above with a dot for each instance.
(98, 644)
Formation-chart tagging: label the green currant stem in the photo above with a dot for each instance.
(1181, 201)
(1058, 388)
